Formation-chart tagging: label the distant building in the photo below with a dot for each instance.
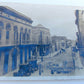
(60, 42)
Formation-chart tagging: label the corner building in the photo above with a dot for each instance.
(41, 37)
(15, 40)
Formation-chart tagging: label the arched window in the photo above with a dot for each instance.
(8, 28)
(26, 30)
(28, 35)
(1, 27)
(15, 33)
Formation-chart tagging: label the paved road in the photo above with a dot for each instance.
(56, 59)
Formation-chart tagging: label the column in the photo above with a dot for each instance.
(27, 55)
(36, 52)
(3, 39)
(31, 54)
(11, 35)
(18, 58)
(2, 63)
(23, 56)
(10, 62)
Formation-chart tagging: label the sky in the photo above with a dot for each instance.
(59, 19)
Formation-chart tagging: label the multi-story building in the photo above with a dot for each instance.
(15, 40)
(20, 42)
(60, 42)
(41, 37)
(80, 34)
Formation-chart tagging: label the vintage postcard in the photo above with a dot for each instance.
(41, 42)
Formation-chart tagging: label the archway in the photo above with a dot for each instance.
(6, 57)
(14, 59)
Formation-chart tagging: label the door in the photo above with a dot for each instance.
(14, 59)
(6, 57)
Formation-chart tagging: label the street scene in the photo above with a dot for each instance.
(36, 41)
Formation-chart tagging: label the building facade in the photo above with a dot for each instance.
(60, 42)
(41, 36)
(21, 43)
(80, 34)
(16, 46)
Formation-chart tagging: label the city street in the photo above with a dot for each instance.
(57, 59)
(54, 60)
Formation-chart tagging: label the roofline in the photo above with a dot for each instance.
(14, 13)
(40, 27)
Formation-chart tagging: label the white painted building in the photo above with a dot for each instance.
(15, 33)
(41, 35)
(20, 41)
(59, 42)
(12, 24)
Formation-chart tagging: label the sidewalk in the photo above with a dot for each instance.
(11, 73)
(48, 56)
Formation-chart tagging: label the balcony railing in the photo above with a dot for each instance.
(16, 42)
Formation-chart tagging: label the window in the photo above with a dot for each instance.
(0, 34)
(15, 28)
(25, 30)
(7, 34)
(24, 36)
(1, 27)
(40, 38)
(28, 37)
(15, 33)
(29, 31)
(8, 28)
